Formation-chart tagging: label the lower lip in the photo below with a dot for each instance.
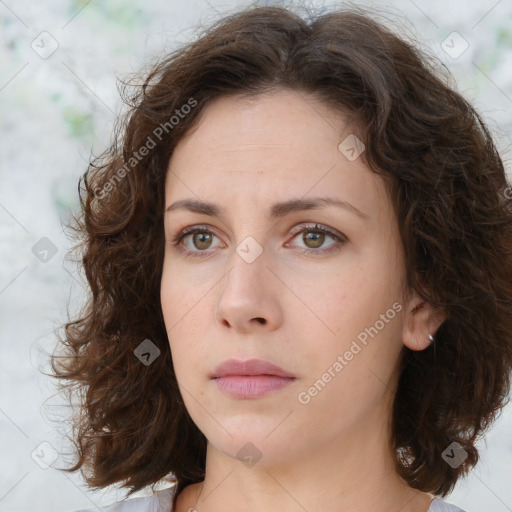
(251, 386)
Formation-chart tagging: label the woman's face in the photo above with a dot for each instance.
(263, 282)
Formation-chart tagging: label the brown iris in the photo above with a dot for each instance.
(204, 240)
(316, 237)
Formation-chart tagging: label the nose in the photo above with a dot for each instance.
(249, 296)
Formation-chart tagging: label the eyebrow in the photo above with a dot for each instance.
(278, 210)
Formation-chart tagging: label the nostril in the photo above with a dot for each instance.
(260, 320)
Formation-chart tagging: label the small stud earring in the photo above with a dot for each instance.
(431, 338)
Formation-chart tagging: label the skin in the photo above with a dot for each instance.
(332, 453)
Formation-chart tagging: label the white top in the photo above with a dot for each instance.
(161, 502)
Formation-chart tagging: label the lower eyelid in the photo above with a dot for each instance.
(338, 239)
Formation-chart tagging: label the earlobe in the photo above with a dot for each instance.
(421, 322)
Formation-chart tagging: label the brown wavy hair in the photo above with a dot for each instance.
(453, 204)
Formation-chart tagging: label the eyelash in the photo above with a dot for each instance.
(340, 240)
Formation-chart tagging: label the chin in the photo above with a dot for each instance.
(265, 446)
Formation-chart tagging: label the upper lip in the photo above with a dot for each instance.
(248, 367)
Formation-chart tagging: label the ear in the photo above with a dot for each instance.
(420, 321)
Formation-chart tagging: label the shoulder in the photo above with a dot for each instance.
(160, 501)
(439, 505)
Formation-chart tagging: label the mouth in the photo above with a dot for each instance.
(250, 367)
(253, 378)
(251, 386)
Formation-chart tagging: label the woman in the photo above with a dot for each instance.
(299, 249)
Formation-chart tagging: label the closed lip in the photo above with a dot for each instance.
(248, 367)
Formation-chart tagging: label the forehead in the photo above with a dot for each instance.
(271, 146)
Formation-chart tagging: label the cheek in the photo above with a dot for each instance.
(177, 305)
(187, 310)
(367, 289)
(180, 292)
(185, 281)
(344, 302)
(356, 310)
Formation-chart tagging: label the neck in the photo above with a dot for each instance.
(354, 473)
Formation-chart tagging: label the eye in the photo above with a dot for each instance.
(314, 237)
(198, 239)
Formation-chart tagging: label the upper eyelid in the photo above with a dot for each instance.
(339, 239)
(303, 226)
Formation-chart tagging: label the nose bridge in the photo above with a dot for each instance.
(249, 235)
(248, 267)
(247, 291)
